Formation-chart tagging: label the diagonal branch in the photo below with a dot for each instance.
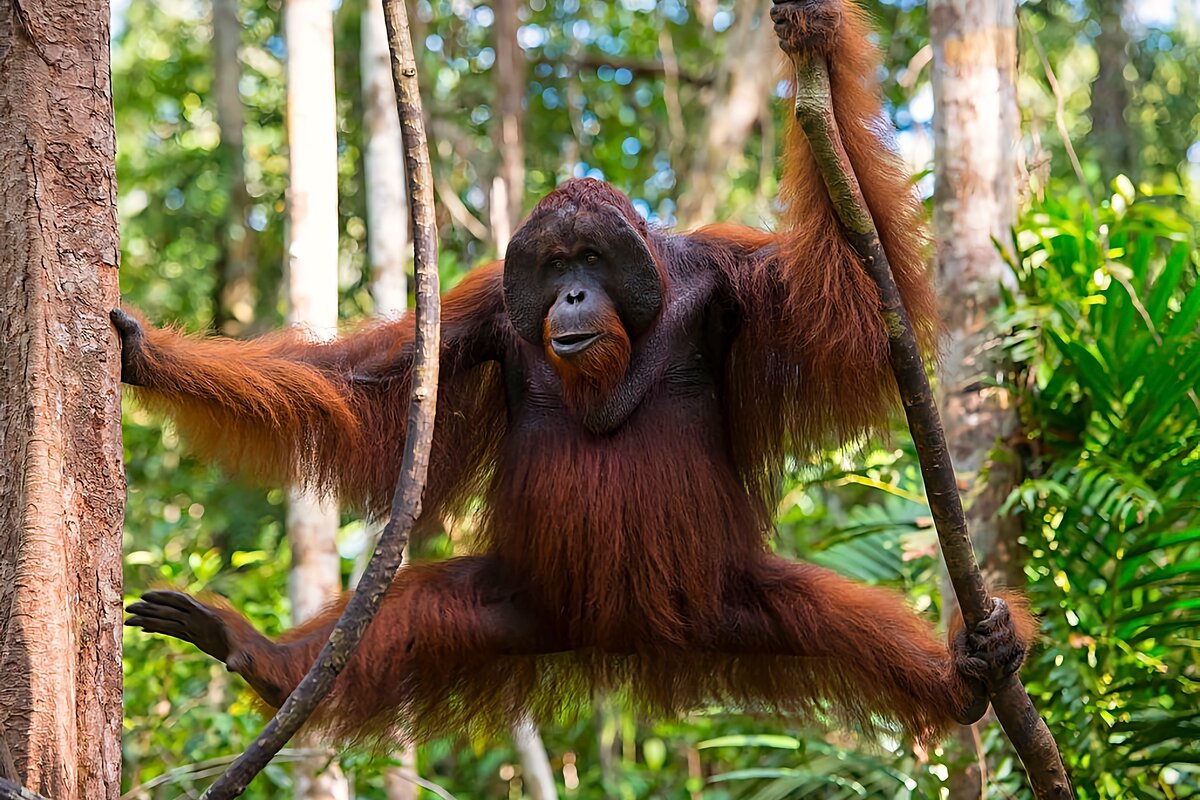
(406, 503)
(814, 111)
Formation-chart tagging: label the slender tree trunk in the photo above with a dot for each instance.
(537, 775)
(314, 580)
(312, 286)
(387, 196)
(1111, 138)
(976, 139)
(508, 187)
(62, 489)
(745, 76)
(235, 298)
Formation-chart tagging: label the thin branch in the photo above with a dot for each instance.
(912, 71)
(1060, 119)
(459, 212)
(670, 63)
(814, 111)
(187, 773)
(427, 785)
(406, 502)
(580, 61)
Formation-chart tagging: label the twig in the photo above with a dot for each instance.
(912, 71)
(814, 111)
(666, 46)
(406, 502)
(459, 212)
(579, 61)
(188, 773)
(429, 786)
(1060, 119)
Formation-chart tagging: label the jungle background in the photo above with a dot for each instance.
(1090, 325)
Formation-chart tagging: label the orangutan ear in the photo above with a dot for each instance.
(633, 277)
(628, 269)
(527, 297)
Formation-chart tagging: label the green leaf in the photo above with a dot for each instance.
(778, 742)
(754, 773)
(1167, 283)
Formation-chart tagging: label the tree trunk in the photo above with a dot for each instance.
(312, 286)
(62, 490)
(744, 78)
(314, 580)
(508, 187)
(234, 308)
(537, 776)
(1111, 139)
(387, 198)
(976, 140)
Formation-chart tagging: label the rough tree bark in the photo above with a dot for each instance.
(235, 299)
(976, 141)
(743, 81)
(508, 187)
(62, 488)
(312, 291)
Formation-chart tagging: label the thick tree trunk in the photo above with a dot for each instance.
(1111, 138)
(737, 103)
(508, 187)
(62, 490)
(976, 138)
(235, 291)
(387, 197)
(312, 287)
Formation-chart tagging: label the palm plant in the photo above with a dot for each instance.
(1103, 333)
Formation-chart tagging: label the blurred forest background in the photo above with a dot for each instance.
(1089, 323)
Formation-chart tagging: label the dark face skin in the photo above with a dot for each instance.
(581, 309)
(571, 267)
(582, 283)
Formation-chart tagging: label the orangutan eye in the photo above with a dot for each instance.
(558, 265)
(591, 256)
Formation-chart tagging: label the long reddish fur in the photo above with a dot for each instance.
(815, 301)
(678, 602)
(589, 377)
(281, 408)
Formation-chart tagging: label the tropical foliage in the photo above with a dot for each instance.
(1103, 335)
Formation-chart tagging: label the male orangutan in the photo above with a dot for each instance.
(621, 399)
